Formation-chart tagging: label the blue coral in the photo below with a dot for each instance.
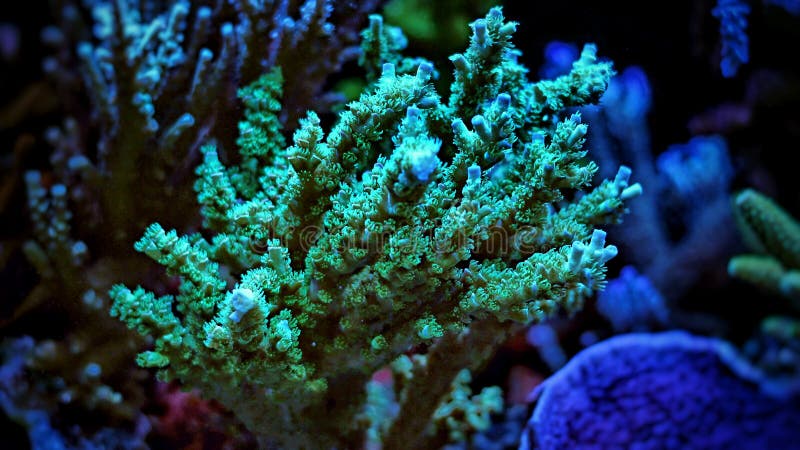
(732, 15)
(631, 302)
(670, 390)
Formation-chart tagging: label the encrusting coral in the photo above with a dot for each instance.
(669, 389)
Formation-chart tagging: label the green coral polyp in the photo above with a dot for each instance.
(401, 229)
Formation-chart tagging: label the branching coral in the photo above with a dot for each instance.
(774, 238)
(400, 230)
(159, 76)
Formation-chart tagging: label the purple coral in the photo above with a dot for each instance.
(661, 391)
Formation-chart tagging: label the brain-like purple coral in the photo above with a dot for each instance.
(669, 390)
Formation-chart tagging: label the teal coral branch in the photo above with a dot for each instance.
(429, 382)
(413, 226)
(585, 83)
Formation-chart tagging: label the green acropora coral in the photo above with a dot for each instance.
(774, 238)
(414, 225)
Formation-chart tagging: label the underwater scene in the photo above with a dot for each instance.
(399, 224)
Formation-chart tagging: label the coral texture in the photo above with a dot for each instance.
(400, 228)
